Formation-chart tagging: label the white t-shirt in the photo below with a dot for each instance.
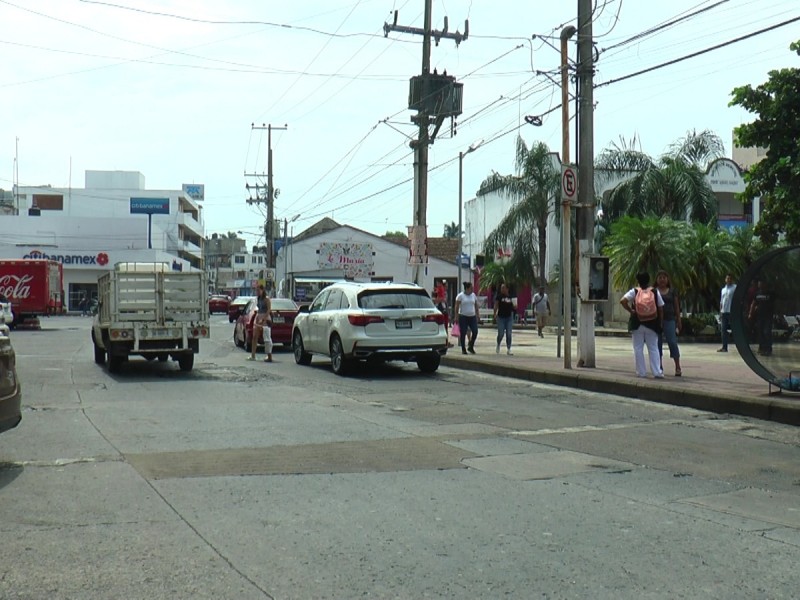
(468, 304)
(540, 303)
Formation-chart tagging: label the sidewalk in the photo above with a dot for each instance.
(712, 381)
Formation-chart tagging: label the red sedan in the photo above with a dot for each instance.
(283, 313)
(218, 304)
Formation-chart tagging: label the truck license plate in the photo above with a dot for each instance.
(160, 333)
(402, 324)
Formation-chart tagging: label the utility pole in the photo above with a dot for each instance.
(585, 207)
(566, 211)
(435, 97)
(267, 195)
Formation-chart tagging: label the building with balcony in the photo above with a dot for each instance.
(112, 219)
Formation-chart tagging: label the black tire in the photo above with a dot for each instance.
(115, 363)
(99, 355)
(186, 361)
(301, 357)
(429, 363)
(339, 363)
(239, 344)
(163, 357)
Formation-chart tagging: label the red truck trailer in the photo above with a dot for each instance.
(33, 286)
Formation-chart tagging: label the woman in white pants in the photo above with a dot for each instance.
(644, 333)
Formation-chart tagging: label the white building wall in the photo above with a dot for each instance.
(389, 260)
(95, 229)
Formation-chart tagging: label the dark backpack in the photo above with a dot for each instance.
(645, 304)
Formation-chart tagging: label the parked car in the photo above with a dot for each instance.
(284, 312)
(351, 322)
(10, 394)
(237, 306)
(218, 304)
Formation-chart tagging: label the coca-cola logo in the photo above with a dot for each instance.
(16, 287)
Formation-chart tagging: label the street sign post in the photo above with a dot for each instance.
(569, 183)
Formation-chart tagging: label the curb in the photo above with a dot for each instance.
(767, 409)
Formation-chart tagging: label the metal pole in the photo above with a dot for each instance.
(270, 203)
(585, 213)
(460, 210)
(566, 225)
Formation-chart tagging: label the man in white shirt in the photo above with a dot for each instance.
(468, 314)
(541, 306)
(725, 298)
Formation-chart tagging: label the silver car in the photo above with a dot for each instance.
(351, 322)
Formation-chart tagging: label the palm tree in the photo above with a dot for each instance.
(451, 230)
(712, 254)
(674, 185)
(635, 245)
(533, 187)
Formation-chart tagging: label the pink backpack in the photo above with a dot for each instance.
(645, 304)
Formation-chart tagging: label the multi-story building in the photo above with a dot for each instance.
(114, 218)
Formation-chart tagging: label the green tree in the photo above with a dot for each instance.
(674, 185)
(776, 178)
(635, 245)
(533, 188)
(451, 231)
(711, 255)
(696, 256)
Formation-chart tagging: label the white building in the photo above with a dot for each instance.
(89, 230)
(333, 252)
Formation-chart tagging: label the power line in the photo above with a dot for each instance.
(698, 53)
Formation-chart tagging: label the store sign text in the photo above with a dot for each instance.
(101, 258)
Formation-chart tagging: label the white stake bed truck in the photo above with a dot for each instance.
(149, 310)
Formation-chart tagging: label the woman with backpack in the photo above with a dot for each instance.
(645, 306)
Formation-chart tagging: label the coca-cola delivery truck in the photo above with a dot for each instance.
(33, 286)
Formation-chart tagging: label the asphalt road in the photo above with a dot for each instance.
(251, 480)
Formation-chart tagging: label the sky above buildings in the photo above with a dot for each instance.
(173, 89)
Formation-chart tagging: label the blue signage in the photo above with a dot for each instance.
(149, 206)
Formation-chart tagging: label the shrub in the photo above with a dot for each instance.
(695, 323)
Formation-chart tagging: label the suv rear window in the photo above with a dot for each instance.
(373, 299)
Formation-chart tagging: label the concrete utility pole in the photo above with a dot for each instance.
(585, 210)
(566, 211)
(434, 97)
(267, 195)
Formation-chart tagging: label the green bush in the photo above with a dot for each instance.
(694, 324)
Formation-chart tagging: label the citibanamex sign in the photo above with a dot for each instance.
(101, 258)
(16, 286)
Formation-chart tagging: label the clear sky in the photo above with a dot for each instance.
(171, 88)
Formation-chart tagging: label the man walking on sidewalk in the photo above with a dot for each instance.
(726, 296)
(541, 306)
(468, 314)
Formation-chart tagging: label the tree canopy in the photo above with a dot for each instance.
(776, 178)
(533, 188)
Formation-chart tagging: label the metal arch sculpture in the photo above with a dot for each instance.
(765, 317)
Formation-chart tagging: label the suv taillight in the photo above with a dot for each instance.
(363, 320)
(436, 318)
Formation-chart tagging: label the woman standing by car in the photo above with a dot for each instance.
(262, 324)
(672, 321)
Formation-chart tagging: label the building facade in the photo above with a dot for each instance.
(114, 218)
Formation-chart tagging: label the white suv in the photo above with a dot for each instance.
(351, 322)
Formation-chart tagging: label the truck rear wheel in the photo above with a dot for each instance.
(99, 355)
(186, 361)
(115, 363)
